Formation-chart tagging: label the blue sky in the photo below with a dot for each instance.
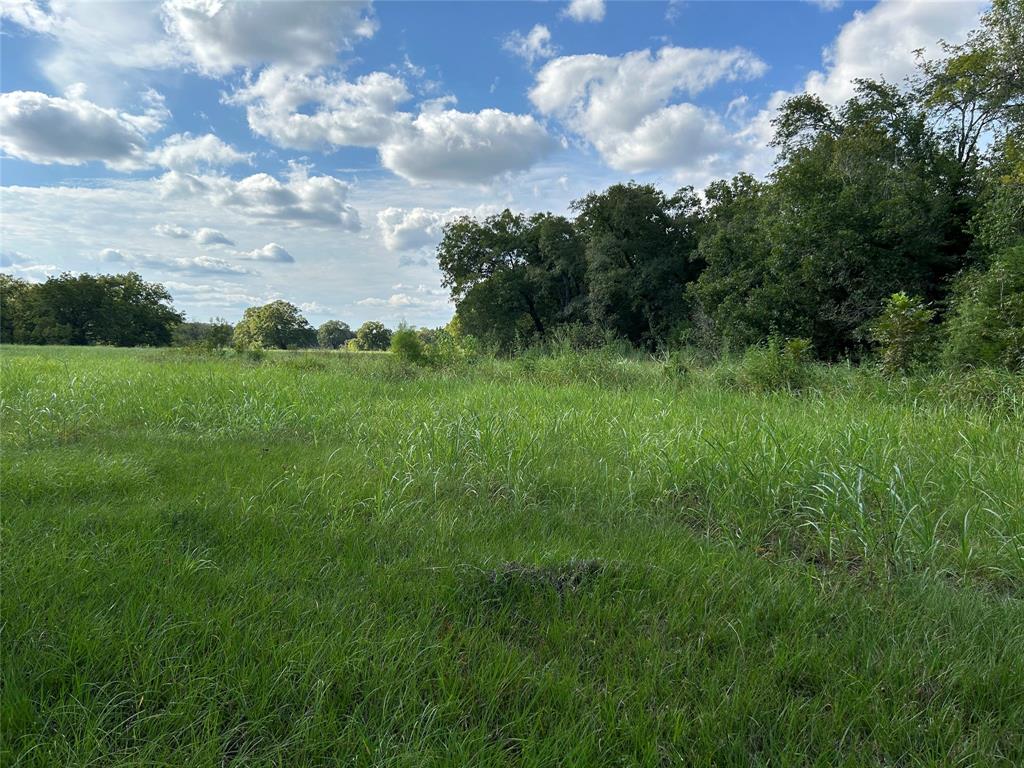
(243, 152)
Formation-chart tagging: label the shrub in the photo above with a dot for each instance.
(904, 332)
(986, 326)
(777, 366)
(407, 347)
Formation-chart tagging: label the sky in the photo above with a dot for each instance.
(242, 152)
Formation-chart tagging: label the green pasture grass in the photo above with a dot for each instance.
(326, 559)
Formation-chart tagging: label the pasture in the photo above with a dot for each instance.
(329, 559)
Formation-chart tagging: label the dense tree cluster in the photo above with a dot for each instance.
(122, 310)
(915, 191)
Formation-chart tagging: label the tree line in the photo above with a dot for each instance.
(899, 201)
(126, 311)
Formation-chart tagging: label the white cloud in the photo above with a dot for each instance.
(269, 252)
(184, 152)
(301, 111)
(535, 44)
(404, 230)
(409, 229)
(203, 236)
(221, 37)
(827, 5)
(361, 113)
(685, 137)
(315, 308)
(465, 147)
(108, 45)
(19, 265)
(173, 231)
(622, 105)
(207, 236)
(301, 199)
(880, 42)
(585, 10)
(420, 297)
(185, 264)
(71, 130)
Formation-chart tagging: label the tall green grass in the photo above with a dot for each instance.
(562, 559)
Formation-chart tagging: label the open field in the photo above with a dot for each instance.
(325, 559)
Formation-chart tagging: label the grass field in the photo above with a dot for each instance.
(328, 560)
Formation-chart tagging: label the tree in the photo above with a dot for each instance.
(977, 87)
(373, 336)
(123, 310)
(215, 334)
(12, 308)
(640, 255)
(334, 334)
(859, 207)
(278, 324)
(513, 278)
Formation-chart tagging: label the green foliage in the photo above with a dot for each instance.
(903, 332)
(334, 334)
(514, 278)
(986, 324)
(641, 253)
(120, 310)
(407, 347)
(277, 325)
(373, 336)
(777, 366)
(216, 334)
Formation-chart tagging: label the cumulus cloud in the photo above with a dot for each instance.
(269, 252)
(465, 147)
(623, 106)
(72, 130)
(303, 111)
(185, 264)
(409, 229)
(203, 236)
(361, 113)
(207, 236)
(406, 230)
(184, 152)
(881, 41)
(221, 37)
(535, 44)
(300, 199)
(585, 10)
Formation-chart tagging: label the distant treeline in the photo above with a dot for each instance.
(126, 311)
(917, 192)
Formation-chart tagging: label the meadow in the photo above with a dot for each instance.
(332, 559)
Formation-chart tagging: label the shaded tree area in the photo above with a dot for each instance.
(120, 310)
(913, 191)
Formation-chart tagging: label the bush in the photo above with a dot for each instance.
(777, 366)
(407, 347)
(904, 332)
(986, 326)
